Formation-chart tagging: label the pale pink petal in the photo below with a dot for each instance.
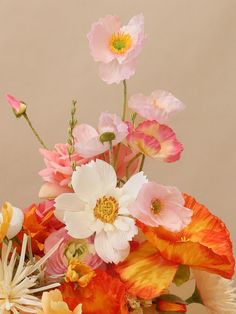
(135, 28)
(114, 72)
(52, 190)
(112, 123)
(142, 105)
(99, 37)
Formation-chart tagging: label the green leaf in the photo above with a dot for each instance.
(182, 275)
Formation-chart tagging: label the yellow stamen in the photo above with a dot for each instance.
(184, 239)
(6, 219)
(79, 273)
(120, 42)
(106, 209)
(156, 206)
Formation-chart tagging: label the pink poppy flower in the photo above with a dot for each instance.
(158, 205)
(155, 140)
(69, 249)
(58, 166)
(116, 47)
(18, 106)
(159, 106)
(91, 142)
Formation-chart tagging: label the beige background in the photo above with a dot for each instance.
(44, 60)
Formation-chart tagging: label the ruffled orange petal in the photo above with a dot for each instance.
(204, 243)
(146, 273)
(165, 306)
(104, 294)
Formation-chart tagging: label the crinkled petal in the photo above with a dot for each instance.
(146, 273)
(114, 72)
(145, 144)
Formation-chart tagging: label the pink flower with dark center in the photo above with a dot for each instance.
(159, 106)
(158, 205)
(116, 48)
(155, 140)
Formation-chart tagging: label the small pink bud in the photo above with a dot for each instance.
(19, 107)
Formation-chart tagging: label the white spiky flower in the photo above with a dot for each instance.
(19, 281)
(217, 293)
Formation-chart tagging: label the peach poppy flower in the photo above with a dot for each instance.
(159, 106)
(52, 303)
(155, 140)
(116, 48)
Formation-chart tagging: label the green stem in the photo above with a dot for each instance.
(130, 163)
(142, 163)
(125, 100)
(34, 131)
(111, 156)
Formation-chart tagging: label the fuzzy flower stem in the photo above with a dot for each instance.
(142, 163)
(125, 100)
(130, 163)
(33, 129)
(71, 140)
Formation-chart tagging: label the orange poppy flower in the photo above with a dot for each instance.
(204, 244)
(103, 294)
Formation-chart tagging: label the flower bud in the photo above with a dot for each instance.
(18, 107)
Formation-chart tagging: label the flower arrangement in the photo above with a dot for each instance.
(105, 239)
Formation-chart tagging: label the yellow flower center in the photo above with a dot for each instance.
(120, 42)
(106, 209)
(76, 250)
(156, 206)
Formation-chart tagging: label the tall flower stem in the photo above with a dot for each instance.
(130, 163)
(71, 140)
(111, 156)
(33, 129)
(142, 163)
(125, 100)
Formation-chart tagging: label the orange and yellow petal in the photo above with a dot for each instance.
(145, 144)
(6, 219)
(146, 273)
(203, 244)
(104, 294)
(79, 272)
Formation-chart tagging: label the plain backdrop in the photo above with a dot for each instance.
(191, 51)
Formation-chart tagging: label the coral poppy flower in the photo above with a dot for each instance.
(116, 48)
(146, 273)
(155, 140)
(204, 244)
(159, 205)
(159, 106)
(91, 142)
(104, 294)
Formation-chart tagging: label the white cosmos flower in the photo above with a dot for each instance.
(19, 281)
(99, 206)
(217, 293)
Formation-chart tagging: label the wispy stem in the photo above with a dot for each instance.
(71, 140)
(142, 163)
(33, 129)
(125, 100)
(111, 156)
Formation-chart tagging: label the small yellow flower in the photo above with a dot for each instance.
(79, 272)
(52, 303)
